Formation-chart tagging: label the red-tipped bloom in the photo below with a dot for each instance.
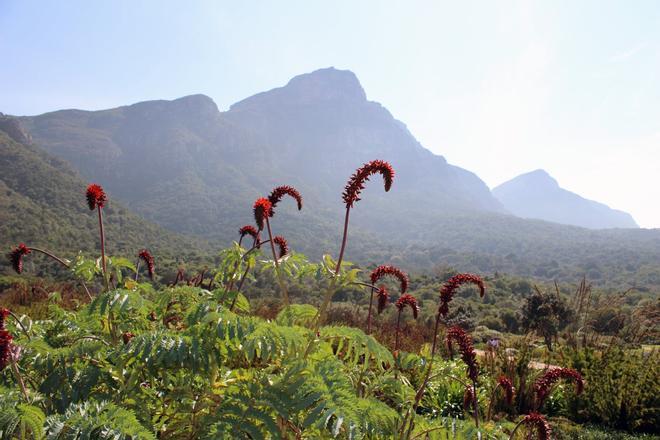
(16, 257)
(543, 385)
(540, 424)
(451, 286)
(282, 244)
(262, 209)
(383, 298)
(126, 337)
(507, 386)
(249, 230)
(392, 271)
(468, 355)
(148, 259)
(95, 196)
(278, 193)
(408, 300)
(3, 315)
(356, 183)
(5, 348)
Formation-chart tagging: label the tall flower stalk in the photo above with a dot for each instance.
(376, 275)
(96, 199)
(447, 293)
(409, 301)
(350, 196)
(243, 231)
(16, 258)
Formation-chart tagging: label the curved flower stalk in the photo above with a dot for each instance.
(243, 232)
(96, 199)
(282, 245)
(16, 258)
(350, 196)
(537, 422)
(446, 294)
(543, 385)
(452, 285)
(409, 301)
(279, 192)
(145, 255)
(469, 357)
(376, 275)
(506, 385)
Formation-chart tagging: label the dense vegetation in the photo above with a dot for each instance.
(191, 357)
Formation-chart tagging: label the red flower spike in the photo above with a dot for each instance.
(383, 299)
(467, 350)
(95, 196)
(249, 230)
(281, 242)
(262, 209)
(356, 183)
(146, 256)
(5, 348)
(540, 424)
(278, 193)
(392, 271)
(16, 257)
(451, 286)
(507, 386)
(543, 385)
(408, 300)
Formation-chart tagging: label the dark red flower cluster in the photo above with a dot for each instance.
(262, 209)
(282, 244)
(16, 257)
(451, 286)
(408, 300)
(126, 337)
(507, 386)
(249, 230)
(540, 424)
(5, 340)
(392, 271)
(356, 183)
(468, 397)
(383, 298)
(95, 196)
(543, 385)
(468, 355)
(148, 259)
(278, 193)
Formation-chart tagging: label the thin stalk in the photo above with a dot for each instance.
(489, 414)
(19, 379)
(396, 339)
(343, 241)
(371, 303)
(476, 403)
(285, 293)
(247, 269)
(513, 433)
(101, 232)
(137, 269)
(18, 321)
(47, 253)
(231, 283)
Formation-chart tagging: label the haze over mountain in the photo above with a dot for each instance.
(537, 195)
(42, 203)
(193, 169)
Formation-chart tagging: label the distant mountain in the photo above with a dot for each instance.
(42, 203)
(193, 169)
(538, 195)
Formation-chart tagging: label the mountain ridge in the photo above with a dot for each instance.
(538, 195)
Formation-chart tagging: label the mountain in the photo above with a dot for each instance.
(538, 195)
(196, 170)
(42, 203)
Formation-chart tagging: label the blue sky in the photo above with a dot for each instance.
(499, 88)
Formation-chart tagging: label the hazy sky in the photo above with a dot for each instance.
(499, 88)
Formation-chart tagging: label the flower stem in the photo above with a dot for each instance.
(343, 241)
(101, 232)
(47, 253)
(18, 321)
(137, 269)
(371, 303)
(19, 379)
(285, 293)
